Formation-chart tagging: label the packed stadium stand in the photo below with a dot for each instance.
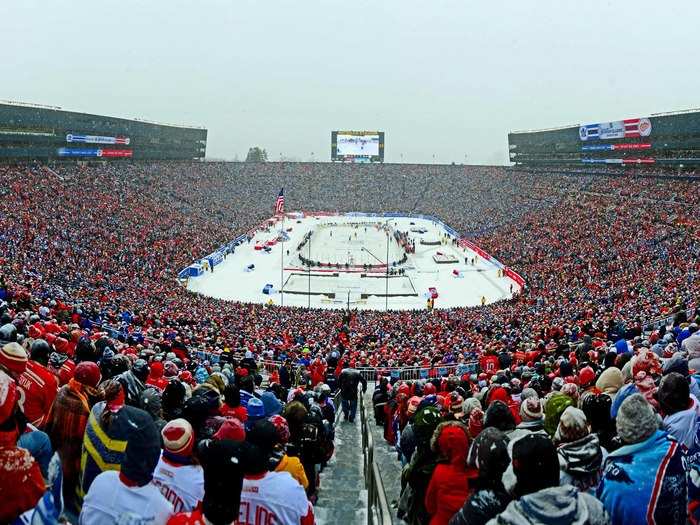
(668, 141)
(32, 132)
(580, 390)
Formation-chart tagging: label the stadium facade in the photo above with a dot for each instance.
(666, 140)
(32, 132)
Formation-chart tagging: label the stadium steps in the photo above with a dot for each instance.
(342, 497)
(386, 459)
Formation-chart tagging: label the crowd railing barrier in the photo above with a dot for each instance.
(378, 510)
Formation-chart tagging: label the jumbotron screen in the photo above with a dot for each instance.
(348, 146)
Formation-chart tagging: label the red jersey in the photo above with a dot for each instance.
(37, 391)
(489, 364)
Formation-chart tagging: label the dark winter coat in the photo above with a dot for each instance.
(488, 501)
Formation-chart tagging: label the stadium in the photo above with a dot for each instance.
(360, 336)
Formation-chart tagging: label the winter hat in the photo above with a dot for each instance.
(224, 465)
(256, 412)
(499, 415)
(217, 381)
(8, 396)
(142, 448)
(673, 393)
(282, 428)
(571, 390)
(553, 411)
(88, 373)
(271, 404)
(557, 383)
(451, 440)
(610, 381)
(489, 454)
(152, 402)
(535, 464)
(13, 358)
(263, 435)
(528, 393)
(573, 426)
(677, 363)
(476, 422)
(231, 429)
(413, 405)
(178, 437)
(647, 361)
(636, 420)
(425, 422)
(470, 404)
(531, 409)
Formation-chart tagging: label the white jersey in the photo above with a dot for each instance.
(276, 498)
(110, 502)
(182, 485)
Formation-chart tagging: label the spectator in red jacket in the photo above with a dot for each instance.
(38, 384)
(450, 484)
(21, 482)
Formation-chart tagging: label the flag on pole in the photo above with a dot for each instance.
(279, 203)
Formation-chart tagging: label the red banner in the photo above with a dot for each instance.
(117, 153)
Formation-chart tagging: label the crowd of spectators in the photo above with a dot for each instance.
(88, 267)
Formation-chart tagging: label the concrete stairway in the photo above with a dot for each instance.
(342, 496)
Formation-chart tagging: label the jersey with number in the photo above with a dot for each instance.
(182, 485)
(274, 499)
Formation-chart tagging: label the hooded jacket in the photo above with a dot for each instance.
(581, 462)
(553, 506)
(684, 426)
(645, 481)
(449, 485)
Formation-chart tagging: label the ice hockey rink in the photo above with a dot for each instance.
(353, 252)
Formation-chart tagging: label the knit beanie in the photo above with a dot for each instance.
(677, 363)
(636, 420)
(178, 437)
(224, 465)
(528, 393)
(425, 422)
(489, 454)
(610, 381)
(499, 415)
(531, 409)
(554, 409)
(573, 426)
(231, 429)
(13, 358)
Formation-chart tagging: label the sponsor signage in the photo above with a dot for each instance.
(612, 147)
(90, 152)
(643, 160)
(618, 129)
(97, 139)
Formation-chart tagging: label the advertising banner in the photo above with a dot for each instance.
(643, 160)
(90, 152)
(613, 147)
(618, 129)
(97, 139)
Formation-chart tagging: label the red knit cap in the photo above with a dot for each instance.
(178, 437)
(14, 358)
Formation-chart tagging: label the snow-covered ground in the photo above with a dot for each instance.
(356, 241)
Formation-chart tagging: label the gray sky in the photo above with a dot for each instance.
(442, 78)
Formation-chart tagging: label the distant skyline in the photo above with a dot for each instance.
(446, 81)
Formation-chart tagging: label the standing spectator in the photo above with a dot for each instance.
(128, 496)
(348, 381)
(38, 384)
(267, 493)
(451, 481)
(541, 501)
(66, 424)
(223, 463)
(489, 454)
(180, 478)
(644, 480)
(21, 482)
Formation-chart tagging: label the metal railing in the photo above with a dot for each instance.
(378, 510)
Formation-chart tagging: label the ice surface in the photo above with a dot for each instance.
(231, 281)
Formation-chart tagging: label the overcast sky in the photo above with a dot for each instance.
(443, 79)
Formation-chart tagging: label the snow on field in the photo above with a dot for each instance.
(356, 241)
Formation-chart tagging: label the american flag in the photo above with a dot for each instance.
(279, 203)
